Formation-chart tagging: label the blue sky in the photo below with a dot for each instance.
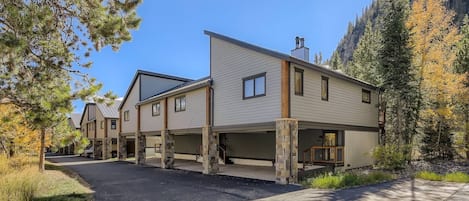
(170, 39)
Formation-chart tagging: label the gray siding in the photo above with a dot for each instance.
(343, 107)
(229, 65)
(152, 85)
(194, 116)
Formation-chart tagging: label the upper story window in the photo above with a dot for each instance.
(155, 109)
(102, 124)
(126, 115)
(324, 88)
(254, 86)
(113, 124)
(180, 104)
(366, 96)
(299, 82)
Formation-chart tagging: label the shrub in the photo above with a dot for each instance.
(389, 157)
(427, 175)
(342, 180)
(460, 177)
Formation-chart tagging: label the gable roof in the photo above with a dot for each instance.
(291, 59)
(75, 119)
(109, 111)
(143, 72)
(182, 88)
(84, 111)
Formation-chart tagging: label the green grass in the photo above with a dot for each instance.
(60, 183)
(427, 175)
(343, 180)
(459, 177)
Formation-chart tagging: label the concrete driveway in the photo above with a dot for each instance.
(403, 189)
(116, 181)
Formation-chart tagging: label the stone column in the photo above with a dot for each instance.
(140, 148)
(122, 144)
(167, 149)
(95, 149)
(107, 149)
(286, 156)
(209, 150)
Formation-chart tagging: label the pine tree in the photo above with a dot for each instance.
(397, 76)
(336, 62)
(433, 38)
(318, 58)
(461, 66)
(41, 42)
(365, 57)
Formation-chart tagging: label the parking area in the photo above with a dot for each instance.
(114, 180)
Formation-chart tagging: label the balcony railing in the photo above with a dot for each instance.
(324, 155)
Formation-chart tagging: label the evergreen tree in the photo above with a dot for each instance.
(461, 66)
(365, 57)
(433, 38)
(336, 62)
(397, 76)
(318, 58)
(41, 42)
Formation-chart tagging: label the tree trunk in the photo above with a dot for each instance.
(41, 150)
(467, 131)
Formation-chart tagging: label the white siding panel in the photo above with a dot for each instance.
(229, 65)
(343, 107)
(132, 99)
(194, 116)
(149, 122)
(358, 148)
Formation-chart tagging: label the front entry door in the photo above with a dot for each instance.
(330, 140)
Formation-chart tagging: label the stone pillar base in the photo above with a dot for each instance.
(167, 149)
(140, 149)
(209, 150)
(107, 148)
(286, 156)
(122, 144)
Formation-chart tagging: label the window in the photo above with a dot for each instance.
(113, 124)
(102, 124)
(366, 96)
(254, 86)
(155, 109)
(298, 82)
(126, 115)
(324, 88)
(180, 104)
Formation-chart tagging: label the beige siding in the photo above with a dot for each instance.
(99, 118)
(149, 122)
(112, 133)
(83, 123)
(358, 147)
(194, 116)
(229, 65)
(343, 107)
(132, 99)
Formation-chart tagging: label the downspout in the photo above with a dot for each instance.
(212, 104)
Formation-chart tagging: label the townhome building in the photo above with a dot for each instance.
(99, 123)
(257, 107)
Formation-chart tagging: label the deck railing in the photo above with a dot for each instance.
(324, 154)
